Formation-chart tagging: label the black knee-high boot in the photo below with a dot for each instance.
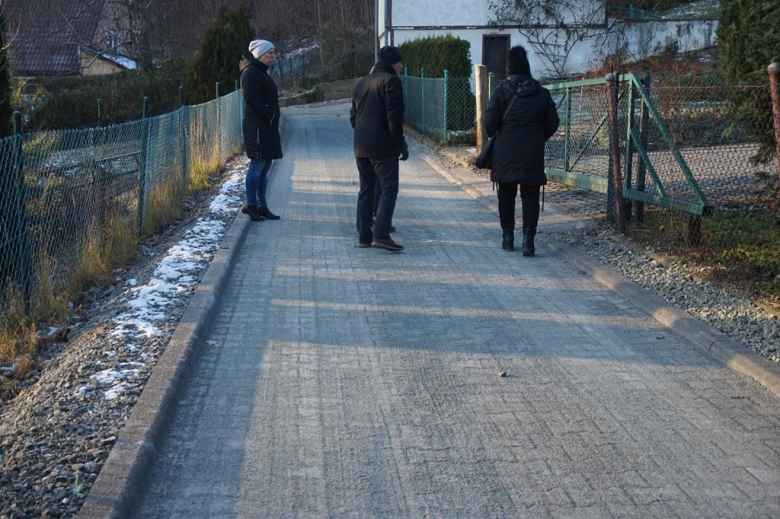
(528, 241)
(509, 241)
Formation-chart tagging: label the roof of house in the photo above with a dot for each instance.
(117, 59)
(45, 34)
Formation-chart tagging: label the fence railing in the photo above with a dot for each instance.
(441, 108)
(696, 128)
(724, 133)
(70, 197)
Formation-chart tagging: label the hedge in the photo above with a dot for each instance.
(437, 54)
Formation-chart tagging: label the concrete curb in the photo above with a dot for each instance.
(117, 486)
(720, 346)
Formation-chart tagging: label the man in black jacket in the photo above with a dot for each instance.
(260, 125)
(518, 152)
(377, 116)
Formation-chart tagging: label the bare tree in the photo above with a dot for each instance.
(553, 28)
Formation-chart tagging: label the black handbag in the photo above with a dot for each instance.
(485, 157)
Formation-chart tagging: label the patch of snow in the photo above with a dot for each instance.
(176, 274)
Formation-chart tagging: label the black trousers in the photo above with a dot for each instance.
(383, 171)
(529, 196)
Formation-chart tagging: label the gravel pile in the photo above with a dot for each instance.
(739, 318)
(57, 434)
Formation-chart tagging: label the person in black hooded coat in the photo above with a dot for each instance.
(260, 125)
(377, 117)
(518, 152)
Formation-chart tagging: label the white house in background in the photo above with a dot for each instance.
(576, 38)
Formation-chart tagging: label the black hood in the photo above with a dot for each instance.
(529, 85)
(247, 60)
(384, 66)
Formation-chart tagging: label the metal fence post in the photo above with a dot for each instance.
(644, 117)
(218, 110)
(446, 106)
(629, 165)
(481, 80)
(142, 167)
(406, 92)
(614, 145)
(422, 86)
(185, 159)
(774, 84)
(100, 118)
(567, 132)
(24, 258)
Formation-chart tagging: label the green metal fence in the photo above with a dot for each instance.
(682, 146)
(66, 195)
(441, 108)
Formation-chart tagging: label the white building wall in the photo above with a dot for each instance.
(407, 13)
(651, 38)
(641, 40)
(580, 58)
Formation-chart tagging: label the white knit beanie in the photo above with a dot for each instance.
(260, 47)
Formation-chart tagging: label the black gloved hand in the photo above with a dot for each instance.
(404, 152)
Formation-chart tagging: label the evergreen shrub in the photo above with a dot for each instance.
(225, 40)
(749, 39)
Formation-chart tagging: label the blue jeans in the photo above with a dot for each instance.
(256, 181)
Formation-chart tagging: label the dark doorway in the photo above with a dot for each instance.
(495, 50)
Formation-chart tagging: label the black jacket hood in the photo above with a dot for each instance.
(383, 66)
(529, 86)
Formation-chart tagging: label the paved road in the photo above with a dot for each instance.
(346, 382)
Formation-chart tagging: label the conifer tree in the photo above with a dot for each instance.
(749, 39)
(225, 40)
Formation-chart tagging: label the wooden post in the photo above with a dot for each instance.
(481, 79)
(774, 84)
(614, 144)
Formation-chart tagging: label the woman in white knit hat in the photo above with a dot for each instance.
(260, 125)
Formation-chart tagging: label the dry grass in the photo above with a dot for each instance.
(201, 171)
(49, 305)
(18, 342)
(163, 205)
(121, 241)
(92, 265)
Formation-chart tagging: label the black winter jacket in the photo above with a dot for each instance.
(377, 114)
(261, 110)
(518, 153)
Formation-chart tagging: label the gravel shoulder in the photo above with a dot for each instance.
(56, 435)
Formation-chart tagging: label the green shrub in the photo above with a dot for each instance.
(749, 39)
(436, 55)
(225, 40)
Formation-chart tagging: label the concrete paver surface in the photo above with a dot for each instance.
(347, 382)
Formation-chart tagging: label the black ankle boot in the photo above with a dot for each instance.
(509, 241)
(251, 210)
(266, 213)
(528, 242)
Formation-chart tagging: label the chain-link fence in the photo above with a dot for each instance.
(699, 141)
(705, 141)
(69, 199)
(442, 108)
(724, 133)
